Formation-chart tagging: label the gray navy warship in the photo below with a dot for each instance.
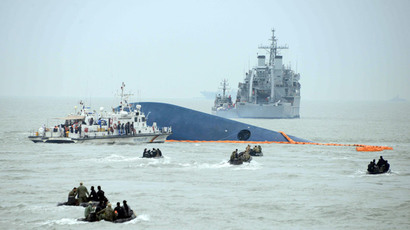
(269, 90)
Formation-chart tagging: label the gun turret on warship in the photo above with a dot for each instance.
(269, 90)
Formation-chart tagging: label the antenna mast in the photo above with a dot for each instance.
(273, 49)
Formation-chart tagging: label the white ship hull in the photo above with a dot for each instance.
(249, 110)
(104, 139)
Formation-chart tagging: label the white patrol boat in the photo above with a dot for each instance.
(121, 126)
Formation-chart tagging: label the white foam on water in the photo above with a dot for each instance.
(63, 221)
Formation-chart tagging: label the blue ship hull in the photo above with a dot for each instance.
(191, 125)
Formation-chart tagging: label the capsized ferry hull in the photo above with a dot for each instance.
(188, 124)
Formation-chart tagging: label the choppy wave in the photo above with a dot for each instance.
(63, 221)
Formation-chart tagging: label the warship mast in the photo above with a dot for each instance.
(273, 51)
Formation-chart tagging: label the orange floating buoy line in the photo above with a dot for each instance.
(359, 147)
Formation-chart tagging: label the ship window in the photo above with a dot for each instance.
(244, 135)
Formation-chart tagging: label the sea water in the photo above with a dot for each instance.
(193, 186)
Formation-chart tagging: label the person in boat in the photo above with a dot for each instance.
(119, 211)
(234, 154)
(82, 192)
(122, 129)
(154, 152)
(100, 194)
(106, 214)
(71, 197)
(93, 195)
(145, 153)
(248, 149)
(370, 167)
(387, 166)
(255, 149)
(381, 162)
(246, 156)
(159, 153)
(127, 209)
(100, 206)
(259, 148)
(88, 210)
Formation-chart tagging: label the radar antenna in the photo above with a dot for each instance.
(224, 85)
(273, 49)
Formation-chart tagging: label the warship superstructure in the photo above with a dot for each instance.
(269, 90)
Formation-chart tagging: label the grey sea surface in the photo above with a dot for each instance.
(193, 186)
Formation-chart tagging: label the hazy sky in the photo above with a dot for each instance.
(345, 50)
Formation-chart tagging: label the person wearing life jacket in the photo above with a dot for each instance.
(120, 211)
(159, 153)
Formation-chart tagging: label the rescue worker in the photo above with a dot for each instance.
(234, 154)
(370, 167)
(246, 156)
(82, 191)
(106, 214)
(381, 162)
(93, 195)
(100, 194)
(120, 211)
(101, 205)
(248, 149)
(387, 166)
(127, 209)
(88, 210)
(159, 153)
(71, 197)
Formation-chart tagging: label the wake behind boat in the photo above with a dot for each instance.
(124, 125)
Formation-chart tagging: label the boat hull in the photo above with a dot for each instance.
(269, 111)
(112, 139)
